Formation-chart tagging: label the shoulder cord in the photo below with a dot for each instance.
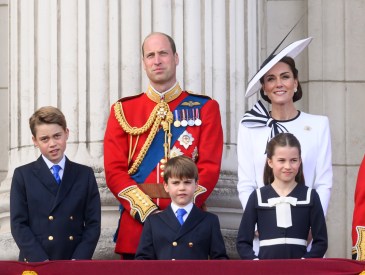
(160, 115)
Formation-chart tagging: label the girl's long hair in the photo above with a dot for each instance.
(282, 140)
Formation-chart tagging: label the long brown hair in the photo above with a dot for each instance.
(282, 140)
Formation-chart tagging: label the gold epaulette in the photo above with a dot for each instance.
(200, 190)
(140, 203)
(198, 95)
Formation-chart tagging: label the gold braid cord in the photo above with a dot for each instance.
(138, 201)
(160, 115)
(359, 248)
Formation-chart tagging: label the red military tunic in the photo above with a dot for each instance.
(202, 143)
(358, 220)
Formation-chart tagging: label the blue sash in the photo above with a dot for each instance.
(156, 151)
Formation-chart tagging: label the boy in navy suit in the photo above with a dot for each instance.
(55, 209)
(192, 235)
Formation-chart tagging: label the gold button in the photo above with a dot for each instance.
(50, 238)
(71, 218)
(163, 161)
(190, 244)
(162, 167)
(162, 173)
(174, 244)
(50, 218)
(71, 238)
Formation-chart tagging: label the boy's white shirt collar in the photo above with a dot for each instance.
(187, 208)
(61, 164)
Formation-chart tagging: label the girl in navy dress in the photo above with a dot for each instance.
(284, 210)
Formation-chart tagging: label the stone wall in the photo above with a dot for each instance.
(83, 55)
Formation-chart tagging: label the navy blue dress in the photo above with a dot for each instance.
(279, 242)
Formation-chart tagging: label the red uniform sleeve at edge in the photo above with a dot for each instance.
(359, 208)
(116, 159)
(210, 149)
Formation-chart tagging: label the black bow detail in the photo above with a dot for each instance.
(258, 116)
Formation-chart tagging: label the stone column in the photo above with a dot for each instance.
(59, 56)
(82, 56)
(4, 87)
(336, 89)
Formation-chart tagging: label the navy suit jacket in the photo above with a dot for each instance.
(199, 238)
(51, 221)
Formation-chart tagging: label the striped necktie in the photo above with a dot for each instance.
(55, 170)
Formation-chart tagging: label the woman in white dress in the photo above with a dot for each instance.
(280, 87)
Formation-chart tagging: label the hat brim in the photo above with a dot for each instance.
(291, 50)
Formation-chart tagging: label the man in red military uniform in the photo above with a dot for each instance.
(358, 220)
(145, 130)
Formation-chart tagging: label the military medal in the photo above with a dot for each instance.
(177, 122)
(184, 122)
(190, 118)
(198, 122)
(186, 139)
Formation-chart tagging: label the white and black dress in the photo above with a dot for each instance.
(283, 224)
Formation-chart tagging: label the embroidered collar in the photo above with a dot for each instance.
(166, 96)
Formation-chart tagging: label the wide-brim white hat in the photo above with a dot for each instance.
(291, 50)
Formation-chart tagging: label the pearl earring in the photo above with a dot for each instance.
(295, 90)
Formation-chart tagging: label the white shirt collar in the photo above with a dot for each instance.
(50, 164)
(187, 208)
